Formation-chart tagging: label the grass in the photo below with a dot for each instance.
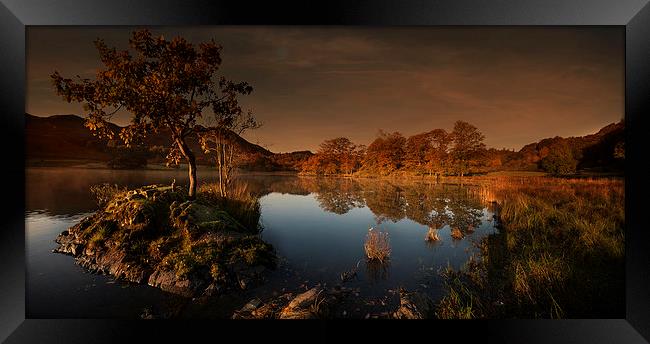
(103, 193)
(460, 302)
(377, 246)
(241, 204)
(559, 253)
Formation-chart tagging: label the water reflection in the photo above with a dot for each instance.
(432, 238)
(377, 271)
(317, 225)
(430, 204)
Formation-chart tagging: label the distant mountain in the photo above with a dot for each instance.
(62, 137)
(65, 137)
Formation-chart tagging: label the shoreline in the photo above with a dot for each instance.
(100, 165)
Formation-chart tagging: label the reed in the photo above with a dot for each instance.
(559, 252)
(377, 245)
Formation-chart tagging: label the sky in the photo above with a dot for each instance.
(516, 84)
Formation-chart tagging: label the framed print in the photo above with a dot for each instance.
(329, 171)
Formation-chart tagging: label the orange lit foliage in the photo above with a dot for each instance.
(385, 154)
(335, 156)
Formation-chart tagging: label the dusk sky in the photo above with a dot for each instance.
(516, 84)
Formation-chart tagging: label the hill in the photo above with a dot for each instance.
(599, 152)
(64, 137)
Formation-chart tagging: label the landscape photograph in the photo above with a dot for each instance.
(325, 172)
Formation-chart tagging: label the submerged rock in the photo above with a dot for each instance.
(154, 235)
(303, 306)
(315, 303)
(337, 302)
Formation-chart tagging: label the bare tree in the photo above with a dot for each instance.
(221, 140)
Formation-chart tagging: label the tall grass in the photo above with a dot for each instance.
(559, 253)
(105, 192)
(377, 245)
(241, 204)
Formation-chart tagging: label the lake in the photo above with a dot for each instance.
(317, 225)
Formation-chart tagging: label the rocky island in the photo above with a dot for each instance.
(156, 235)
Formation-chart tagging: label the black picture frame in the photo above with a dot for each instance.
(16, 15)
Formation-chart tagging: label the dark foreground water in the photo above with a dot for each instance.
(317, 225)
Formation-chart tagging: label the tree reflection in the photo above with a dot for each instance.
(432, 238)
(430, 204)
(338, 195)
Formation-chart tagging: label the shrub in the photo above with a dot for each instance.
(560, 160)
(377, 245)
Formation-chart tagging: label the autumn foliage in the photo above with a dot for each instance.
(436, 152)
(462, 151)
(335, 156)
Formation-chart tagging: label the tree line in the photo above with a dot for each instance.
(434, 153)
(462, 151)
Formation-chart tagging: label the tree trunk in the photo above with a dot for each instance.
(220, 168)
(191, 161)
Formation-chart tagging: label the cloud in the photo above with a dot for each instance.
(313, 83)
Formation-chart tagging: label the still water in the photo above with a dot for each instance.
(317, 225)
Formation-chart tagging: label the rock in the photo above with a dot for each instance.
(244, 283)
(135, 196)
(315, 303)
(302, 306)
(414, 305)
(147, 314)
(168, 281)
(212, 289)
(251, 305)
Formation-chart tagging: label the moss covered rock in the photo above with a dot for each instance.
(155, 235)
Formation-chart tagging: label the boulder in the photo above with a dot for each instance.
(303, 306)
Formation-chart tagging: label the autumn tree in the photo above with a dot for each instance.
(415, 152)
(163, 84)
(220, 139)
(338, 153)
(437, 155)
(335, 156)
(311, 165)
(467, 146)
(385, 154)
